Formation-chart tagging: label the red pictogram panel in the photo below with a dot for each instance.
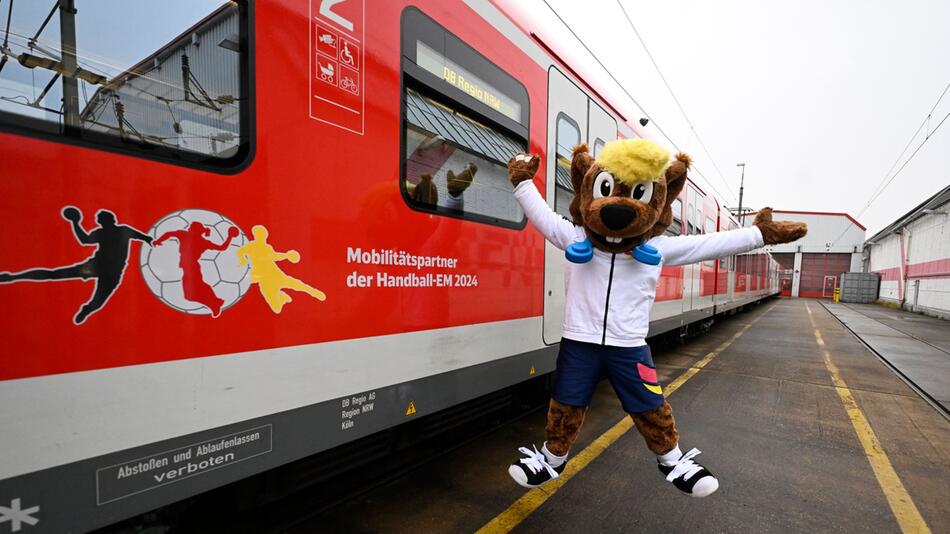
(336, 66)
(349, 80)
(327, 42)
(349, 54)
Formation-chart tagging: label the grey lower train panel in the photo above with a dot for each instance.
(92, 493)
(96, 492)
(661, 326)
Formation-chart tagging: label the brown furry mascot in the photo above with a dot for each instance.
(616, 248)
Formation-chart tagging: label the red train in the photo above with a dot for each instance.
(236, 234)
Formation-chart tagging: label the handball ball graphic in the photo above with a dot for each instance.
(221, 270)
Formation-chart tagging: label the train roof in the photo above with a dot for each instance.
(572, 55)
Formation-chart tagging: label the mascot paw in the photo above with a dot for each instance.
(458, 183)
(522, 167)
(777, 232)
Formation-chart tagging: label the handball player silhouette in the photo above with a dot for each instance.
(192, 243)
(107, 264)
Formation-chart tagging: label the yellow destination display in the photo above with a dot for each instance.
(457, 76)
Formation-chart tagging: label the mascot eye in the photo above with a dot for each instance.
(642, 191)
(603, 185)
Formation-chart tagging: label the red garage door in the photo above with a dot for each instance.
(821, 273)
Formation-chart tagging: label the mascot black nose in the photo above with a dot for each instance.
(617, 216)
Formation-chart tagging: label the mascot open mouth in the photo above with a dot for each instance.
(612, 241)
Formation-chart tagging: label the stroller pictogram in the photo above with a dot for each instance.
(327, 72)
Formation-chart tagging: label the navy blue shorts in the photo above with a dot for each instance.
(630, 370)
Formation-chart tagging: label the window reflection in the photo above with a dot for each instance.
(456, 163)
(153, 74)
(568, 136)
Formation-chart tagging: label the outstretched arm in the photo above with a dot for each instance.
(176, 234)
(681, 250)
(139, 235)
(684, 249)
(232, 233)
(556, 229)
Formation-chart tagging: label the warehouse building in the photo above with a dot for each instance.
(812, 266)
(912, 256)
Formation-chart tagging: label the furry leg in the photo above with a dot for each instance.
(657, 427)
(564, 423)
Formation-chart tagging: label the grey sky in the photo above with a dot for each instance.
(818, 98)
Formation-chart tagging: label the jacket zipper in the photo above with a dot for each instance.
(610, 281)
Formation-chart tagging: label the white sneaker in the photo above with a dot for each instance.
(534, 469)
(690, 477)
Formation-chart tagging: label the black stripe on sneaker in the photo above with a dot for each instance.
(686, 486)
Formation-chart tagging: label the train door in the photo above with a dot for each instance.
(691, 272)
(567, 126)
(601, 127)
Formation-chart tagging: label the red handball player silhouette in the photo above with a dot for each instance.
(192, 243)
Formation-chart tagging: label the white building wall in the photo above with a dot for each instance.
(929, 237)
(928, 255)
(885, 260)
(925, 286)
(934, 296)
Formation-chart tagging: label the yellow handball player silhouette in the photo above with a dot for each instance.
(268, 276)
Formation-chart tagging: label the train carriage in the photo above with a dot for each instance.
(236, 234)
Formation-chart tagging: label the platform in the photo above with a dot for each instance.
(807, 430)
(917, 346)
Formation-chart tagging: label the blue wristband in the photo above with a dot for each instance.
(581, 252)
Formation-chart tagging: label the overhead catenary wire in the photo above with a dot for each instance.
(909, 158)
(879, 190)
(874, 192)
(634, 100)
(675, 99)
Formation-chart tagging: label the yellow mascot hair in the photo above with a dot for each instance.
(634, 160)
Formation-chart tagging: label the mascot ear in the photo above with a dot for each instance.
(675, 180)
(581, 162)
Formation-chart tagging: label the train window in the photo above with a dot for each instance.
(463, 118)
(568, 136)
(693, 225)
(710, 227)
(677, 227)
(456, 163)
(174, 88)
(598, 146)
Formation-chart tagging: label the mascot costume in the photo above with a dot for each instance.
(616, 249)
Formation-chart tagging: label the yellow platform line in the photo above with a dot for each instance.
(530, 501)
(906, 513)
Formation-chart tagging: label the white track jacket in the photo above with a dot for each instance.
(609, 298)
